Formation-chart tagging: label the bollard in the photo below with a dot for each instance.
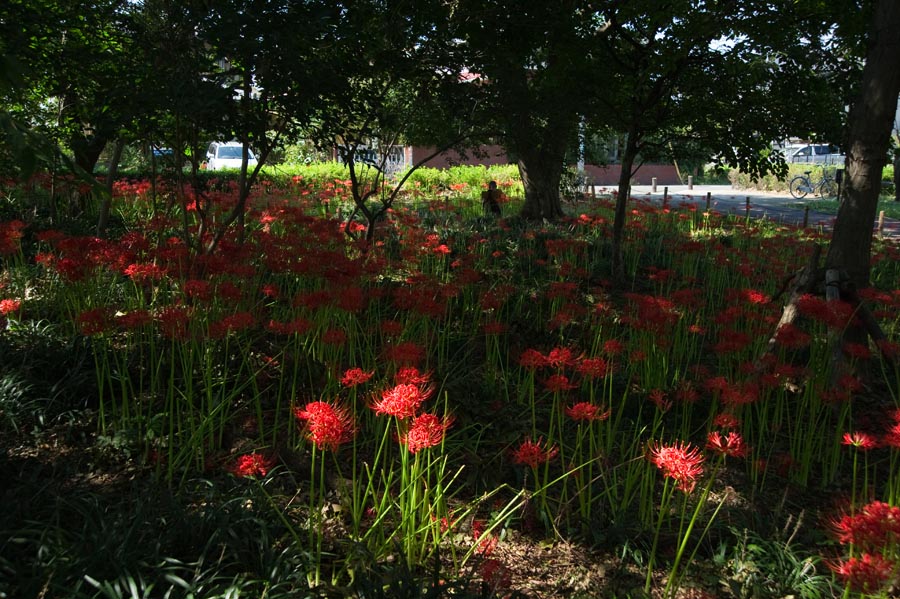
(708, 200)
(665, 197)
(653, 185)
(805, 216)
(881, 225)
(690, 181)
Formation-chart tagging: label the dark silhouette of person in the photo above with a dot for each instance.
(490, 199)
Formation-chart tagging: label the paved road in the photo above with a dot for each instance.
(778, 207)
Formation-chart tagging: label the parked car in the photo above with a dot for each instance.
(814, 153)
(221, 155)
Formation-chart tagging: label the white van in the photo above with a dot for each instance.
(814, 153)
(221, 155)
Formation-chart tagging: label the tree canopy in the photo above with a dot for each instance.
(723, 78)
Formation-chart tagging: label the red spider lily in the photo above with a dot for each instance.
(861, 441)
(593, 368)
(406, 352)
(532, 359)
(495, 575)
(298, 326)
(740, 394)
(791, 337)
(888, 348)
(876, 525)
(144, 272)
(651, 313)
(731, 444)
(8, 306)
(426, 430)
(350, 298)
(613, 347)
(252, 464)
(753, 296)
(866, 574)
(402, 400)
(892, 438)
(681, 462)
(857, 351)
(228, 291)
(355, 376)
(135, 319)
(10, 234)
(531, 453)
(558, 383)
(334, 337)
(328, 426)
(731, 342)
(586, 411)
(660, 399)
(486, 542)
(391, 328)
(173, 322)
(834, 314)
(93, 322)
(410, 375)
(197, 289)
(686, 393)
(233, 323)
(270, 291)
(726, 420)
(560, 357)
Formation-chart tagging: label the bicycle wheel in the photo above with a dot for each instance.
(828, 189)
(799, 187)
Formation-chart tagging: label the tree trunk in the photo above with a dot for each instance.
(86, 151)
(111, 174)
(869, 130)
(541, 157)
(540, 178)
(629, 155)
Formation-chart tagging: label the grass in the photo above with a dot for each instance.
(886, 204)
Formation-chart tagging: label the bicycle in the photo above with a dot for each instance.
(826, 187)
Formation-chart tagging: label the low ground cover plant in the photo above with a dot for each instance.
(301, 412)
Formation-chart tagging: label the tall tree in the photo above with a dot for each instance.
(398, 83)
(534, 62)
(721, 75)
(869, 128)
(80, 76)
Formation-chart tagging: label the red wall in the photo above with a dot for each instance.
(607, 176)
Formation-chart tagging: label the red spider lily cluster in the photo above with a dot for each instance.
(297, 295)
(10, 236)
(873, 534)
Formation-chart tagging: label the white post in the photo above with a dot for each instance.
(653, 185)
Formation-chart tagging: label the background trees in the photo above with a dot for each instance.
(721, 77)
(727, 77)
(535, 64)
